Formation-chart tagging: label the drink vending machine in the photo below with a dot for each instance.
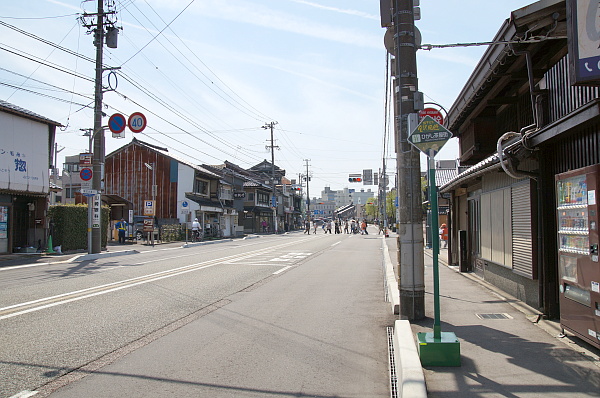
(578, 239)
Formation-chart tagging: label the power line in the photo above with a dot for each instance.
(35, 18)
(42, 94)
(235, 104)
(206, 66)
(158, 34)
(33, 58)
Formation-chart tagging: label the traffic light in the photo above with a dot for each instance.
(355, 179)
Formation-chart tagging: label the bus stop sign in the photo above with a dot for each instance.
(429, 136)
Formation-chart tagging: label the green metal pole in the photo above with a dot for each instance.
(437, 328)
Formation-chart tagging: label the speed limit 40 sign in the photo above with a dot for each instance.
(137, 122)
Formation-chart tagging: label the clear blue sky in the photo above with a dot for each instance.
(221, 69)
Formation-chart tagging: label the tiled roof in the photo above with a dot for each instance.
(443, 176)
(14, 109)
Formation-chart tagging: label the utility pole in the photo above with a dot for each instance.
(274, 197)
(97, 136)
(307, 190)
(410, 232)
(55, 171)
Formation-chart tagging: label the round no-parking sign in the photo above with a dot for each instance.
(85, 174)
(116, 123)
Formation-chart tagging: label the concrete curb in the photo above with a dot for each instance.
(95, 256)
(409, 372)
(391, 282)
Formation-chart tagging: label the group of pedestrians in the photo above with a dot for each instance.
(349, 226)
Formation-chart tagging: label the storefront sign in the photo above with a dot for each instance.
(24, 154)
(584, 40)
(239, 195)
(211, 209)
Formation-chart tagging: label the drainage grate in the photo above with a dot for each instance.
(392, 361)
(494, 316)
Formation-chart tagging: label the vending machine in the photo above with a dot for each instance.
(578, 239)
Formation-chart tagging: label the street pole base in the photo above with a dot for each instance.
(444, 351)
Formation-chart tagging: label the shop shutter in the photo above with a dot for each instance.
(521, 230)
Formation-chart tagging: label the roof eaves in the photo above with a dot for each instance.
(17, 110)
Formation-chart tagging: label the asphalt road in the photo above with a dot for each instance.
(293, 315)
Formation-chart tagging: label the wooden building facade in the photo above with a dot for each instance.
(522, 122)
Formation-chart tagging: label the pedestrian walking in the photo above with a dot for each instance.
(443, 232)
(346, 227)
(315, 227)
(121, 227)
(363, 228)
(328, 227)
(307, 227)
(264, 225)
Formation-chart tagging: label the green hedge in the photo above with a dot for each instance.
(70, 225)
(172, 232)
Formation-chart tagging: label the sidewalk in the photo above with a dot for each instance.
(516, 355)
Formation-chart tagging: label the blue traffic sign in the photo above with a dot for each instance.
(117, 123)
(86, 174)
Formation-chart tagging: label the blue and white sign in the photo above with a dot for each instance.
(184, 204)
(117, 124)
(149, 207)
(584, 40)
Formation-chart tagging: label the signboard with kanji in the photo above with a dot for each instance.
(429, 136)
(148, 225)
(96, 210)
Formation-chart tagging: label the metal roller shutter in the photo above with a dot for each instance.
(521, 230)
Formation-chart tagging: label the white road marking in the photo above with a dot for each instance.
(23, 266)
(281, 270)
(24, 394)
(127, 283)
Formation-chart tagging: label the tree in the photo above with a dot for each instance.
(371, 208)
(390, 206)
